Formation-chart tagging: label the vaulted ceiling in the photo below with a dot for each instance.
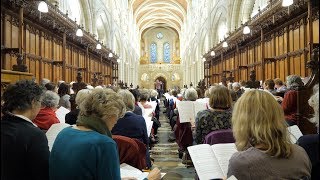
(159, 13)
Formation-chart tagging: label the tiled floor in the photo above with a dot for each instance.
(165, 153)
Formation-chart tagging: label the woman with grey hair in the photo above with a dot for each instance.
(132, 125)
(294, 82)
(47, 116)
(191, 94)
(92, 153)
(72, 116)
(290, 100)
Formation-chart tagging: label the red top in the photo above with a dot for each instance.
(45, 118)
(289, 105)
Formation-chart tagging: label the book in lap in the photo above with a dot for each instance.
(189, 109)
(295, 133)
(211, 161)
(129, 172)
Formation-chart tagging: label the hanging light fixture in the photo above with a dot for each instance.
(286, 3)
(79, 32)
(246, 30)
(225, 44)
(110, 55)
(98, 46)
(212, 53)
(204, 59)
(43, 7)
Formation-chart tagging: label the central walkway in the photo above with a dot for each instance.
(165, 154)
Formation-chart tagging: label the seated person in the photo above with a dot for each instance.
(265, 150)
(24, 147)
(92, 153)
(310, 142)
(47, 116)
(290, 101)
(268, 85)
(218, 116)
(51, 87)
(279, 86)
(236, 88)
(72, 116)
(132, 125)
(137, 110)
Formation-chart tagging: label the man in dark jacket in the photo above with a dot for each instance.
(24, 147)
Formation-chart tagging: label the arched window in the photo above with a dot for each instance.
(153, 52)
(166, 52)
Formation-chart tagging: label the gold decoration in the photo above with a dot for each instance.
(176, 60)
(144, 60)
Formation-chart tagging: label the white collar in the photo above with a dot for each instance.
(24, 118)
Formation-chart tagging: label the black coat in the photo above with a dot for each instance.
(24, 150)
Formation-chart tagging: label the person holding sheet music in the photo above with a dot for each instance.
(183, 131)
(132, 125)
(24, 147)
(262, 139)
(47, 116)
(310, 142)
(218, 116)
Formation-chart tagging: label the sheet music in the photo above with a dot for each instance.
(149, 124)
(199, 106)
(61, 114)
(205, 162)
(186, 111)
(295, 133)
(223, 153)
(129, 171)
(53, 131)
(153, 104)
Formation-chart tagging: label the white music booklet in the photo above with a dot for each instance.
(149, 123)
(53, 132)
(61, 114)
(129, 171)
(189, 109)
(211, 161)
(295, 133)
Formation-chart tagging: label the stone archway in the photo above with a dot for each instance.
(164, 81)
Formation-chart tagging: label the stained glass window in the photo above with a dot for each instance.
(166, 52)
(153, 52)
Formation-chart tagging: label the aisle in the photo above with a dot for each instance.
(165, 153)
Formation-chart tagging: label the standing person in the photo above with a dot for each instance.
(24, 147)
(92, 153)
(64, 93)
(263, 143)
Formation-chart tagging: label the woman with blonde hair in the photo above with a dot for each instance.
(262, 139)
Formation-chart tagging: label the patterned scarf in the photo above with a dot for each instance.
(94, 123)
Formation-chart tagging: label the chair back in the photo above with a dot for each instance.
(219, 136)
(131, 151)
